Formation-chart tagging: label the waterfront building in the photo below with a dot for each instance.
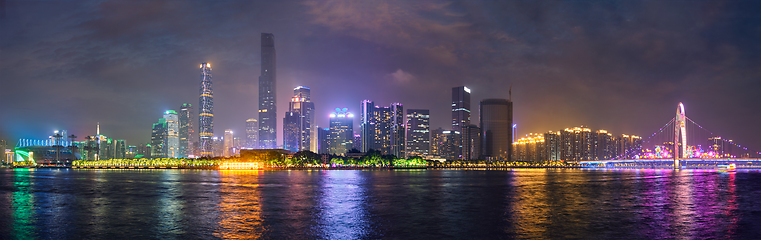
(341, 135)
(496, 116)
(323, 137)
(450, 142)
(186, 132)
(531, 148)
(302, 104)
(291, 131)
(461, 118)
(604, 148)
(553, 146)
(630, 146)
(144, 151)
(172, 134)
(436, 142)
(382, 128)
(3, 148)
(218, 146)
(357, 142)
(722, 147)
(268, 93)
(205, 112)
(418, 132)
(398, 130)
(472, 147)
(158, 137)
(252, 133)
(229, 144)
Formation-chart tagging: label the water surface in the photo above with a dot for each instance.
(381, 204)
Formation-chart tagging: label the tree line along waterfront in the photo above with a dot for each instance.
(302, 159)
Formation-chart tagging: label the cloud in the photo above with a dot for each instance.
(401, 76)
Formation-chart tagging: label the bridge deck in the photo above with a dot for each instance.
(689, 163)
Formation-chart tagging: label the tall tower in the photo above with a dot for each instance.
(228, 143)
(418, 132)
(252, 133)
(206, 112)
(301, 103)
(186, 130)
(496, 129)
(398, 131)
(341, 133)
(267, 94)
(461, 120)
(172, 141)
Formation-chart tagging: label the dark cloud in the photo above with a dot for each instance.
(617, 65)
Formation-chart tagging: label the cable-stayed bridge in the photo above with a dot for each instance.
(683, 143)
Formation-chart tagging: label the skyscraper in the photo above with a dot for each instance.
(267, 94)
(172, 142)
(301, 103)
(382, 128)
(186, 130)
(228, 143)
(496, 129)
(436, 142)
(472, 142)
(291, 133)
(323, 137)
(205, 112)
(461, 119)
(252, 133)
(158, 146)
(418, 132)
(341, 133)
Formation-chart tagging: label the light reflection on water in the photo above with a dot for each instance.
(412, 204)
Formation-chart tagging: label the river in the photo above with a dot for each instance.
(379, 204)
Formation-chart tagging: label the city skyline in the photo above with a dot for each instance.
(561, 74)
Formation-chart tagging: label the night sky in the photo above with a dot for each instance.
(622, 66)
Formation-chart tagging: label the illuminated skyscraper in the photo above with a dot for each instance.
(418, 132)
(461, 119)
(172, 142)
(341, 132)
(471, 135)
(291, 133)
(252, 133)
(205, 112)
(496, 129)
(552, 146)
(302, 104)
(267, 94)
(382, 128)
(186, 130)
(323, 137)
(229, 143)
(3, 146)
(158, 144)
(436, 142)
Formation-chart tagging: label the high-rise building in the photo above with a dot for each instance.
(398, 131)
(461, 119)
(158, 137)
(357, 142)
(604, 148)
(418, 132)
(496, 129)
(436, 142)
(552, 146)
(291, 131)
(3, 146)
(172, 134)
(472, 146)
(229, 146)
(382, 128)
(302, 104)
(267, 94)
(218, 146)
(205, 112)
(530, 148)
(450, 142)
(186, 130)
(341, 133)
(722, 147)
(252, 133)
(323, 137)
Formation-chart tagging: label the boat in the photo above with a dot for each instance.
(727, 168)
